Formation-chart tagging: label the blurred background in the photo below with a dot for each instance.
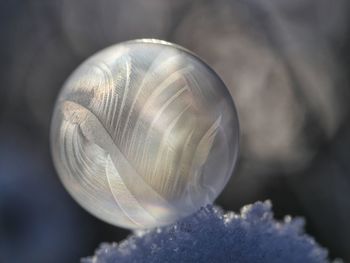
(287, 66)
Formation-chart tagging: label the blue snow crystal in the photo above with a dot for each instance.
(212, 236)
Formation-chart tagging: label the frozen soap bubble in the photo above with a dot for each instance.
(144, 133)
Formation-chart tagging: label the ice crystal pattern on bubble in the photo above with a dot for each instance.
(144, 133)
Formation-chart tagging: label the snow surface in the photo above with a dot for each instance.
(210, 235)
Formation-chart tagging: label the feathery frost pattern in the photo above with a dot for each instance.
(137, 130)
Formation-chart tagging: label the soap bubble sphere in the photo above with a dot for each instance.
(144, 133)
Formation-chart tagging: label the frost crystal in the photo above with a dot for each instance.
(212, 236)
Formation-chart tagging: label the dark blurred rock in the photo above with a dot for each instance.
(283, 75)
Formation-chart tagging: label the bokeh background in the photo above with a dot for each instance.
(285, 62)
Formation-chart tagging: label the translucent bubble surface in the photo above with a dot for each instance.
(144, 133)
